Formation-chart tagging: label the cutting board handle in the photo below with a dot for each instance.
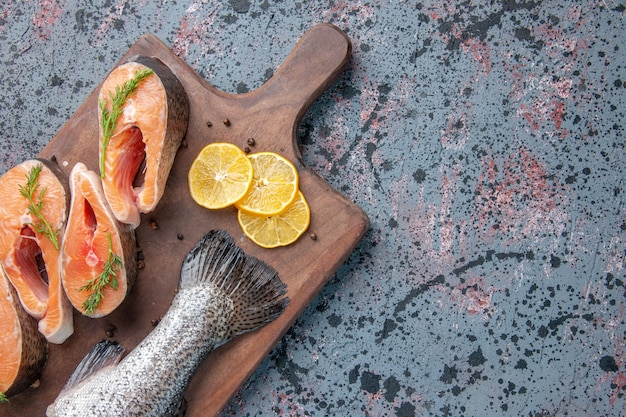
(315, 62)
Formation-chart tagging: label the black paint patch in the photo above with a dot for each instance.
(388, 327)
(419, 175)
(353, 375)
(383, 91)
(288, 368)
(555, 323)
(543, 331)
(370, 382)
(521, 364)
(477, 358)
(334, 320)
(81, 24)
(349, 92)
(240, 6)
(370, 148)
(392, 387)
(56, 81)
(608, 364)
(242, 88)
(406, 410)
(449, 374)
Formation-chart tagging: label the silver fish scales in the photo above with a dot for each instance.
(223, 293)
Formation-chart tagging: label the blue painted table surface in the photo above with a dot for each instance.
(485, 140)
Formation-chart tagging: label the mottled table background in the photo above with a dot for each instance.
(485, 140)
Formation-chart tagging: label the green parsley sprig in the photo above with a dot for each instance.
(3, 398)
(108, 119)
(108, 277)
(35, 196)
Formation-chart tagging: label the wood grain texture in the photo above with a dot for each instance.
(271, 115)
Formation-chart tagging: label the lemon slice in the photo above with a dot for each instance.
(279, 230)
(220, 175)
(274, 185)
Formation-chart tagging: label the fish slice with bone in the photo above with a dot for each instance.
(222, 293)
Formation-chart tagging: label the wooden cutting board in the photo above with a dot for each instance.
(271, 115)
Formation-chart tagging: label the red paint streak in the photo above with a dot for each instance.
(432, 226)
(517, 197)
(616, 261)
(557, 114)
(557, 42)
(183, 38)
(383, 117)
(391, 112)
(542, 101)
(194, 31)
(471, 296)
(109, 21)
(457, 131)
(443, 9)
(375, 403)
(367, 100)
(529, 115)
(543, 92)
(520, 81)
(4, 14)
(478, 301)
(422, 226)
(434, 15)
(480, 52)
(446, 224)
(618, 378)
(544, 111)
(348, 11)
(286, 405)
(620, 381)
(45, 18)
(447, 10)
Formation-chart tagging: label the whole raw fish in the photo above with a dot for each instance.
(222, 293)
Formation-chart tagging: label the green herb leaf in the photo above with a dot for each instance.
(108, 277)
(35, 197)
(108, 119)
(3, 398)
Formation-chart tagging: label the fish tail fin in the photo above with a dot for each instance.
(257, 293)
(258, 296)
(101, 355)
